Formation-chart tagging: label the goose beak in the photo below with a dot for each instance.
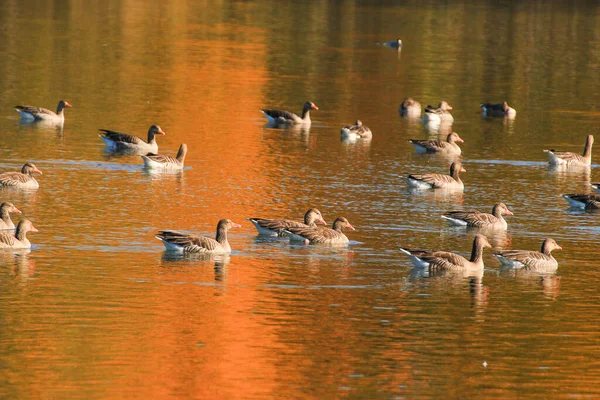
(34, 229)
(322, 220)
(462, 169)
(314, 107)
(38, 171)
(67, 104)
(350, 227)
(234, 225)
(17, 211)
(508, 212)
(161, 132)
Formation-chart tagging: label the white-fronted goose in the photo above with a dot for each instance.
(17, 239)
(410, 108)
(585, 201)
(568, 159)
(5, 209)
(476, 219)
(439, 114)
(498, 110)
(159, 161)
(356, 131)
(275, 227)
(438, 181)
(280, 117)
(394, 43)
(123, 141)
(445, 260)
(186, 243)
(321, 235)
(531, 260)
(23, 179)
(30, 113)
(448, 147)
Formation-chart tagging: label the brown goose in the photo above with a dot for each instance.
(476, 219)
(585, 201)
(17, 239)
(30, 113)
(275, 227)
(186, 243)
(410, 108)
(568, 159)
(159, 161)
(438, 146)
(280, 117)
(498, 110)
(356, 131)
(23, 179)
(445, 260)
(439, 114)
(5, 209)
(321, 235)
(531, 260)
(124, 142)
(438, 181)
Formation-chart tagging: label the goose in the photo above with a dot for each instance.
(186, 243)
(159, 161)
(531, 260)
(438, 181)
(17, 239)
(498, 110)
(410, 108)
(585, 201)
(568, 159)
(356, 131)
(476, 219)
(448, 147)
(321, 235)
(23, 179)
(439, 114)
(30, 113)
(445, 260)
(5, 209)
(280, 117)
(275, 227)
(396, 44)
(122, 141)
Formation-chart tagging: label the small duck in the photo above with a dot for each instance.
(321, 235)
(585, 201)
(498, 110)
(18, 239)
(574, 160)
(439, 114)
(445, 260)
(476, 219)
(5, 209)
(186, 243)
(30, 113)
(281, 117)
(275, 227)
(23, 179)
(449, 147)
(531, 260)
(117, 141)
(438, 181)
(410, 108)
(356, 131)
(159, 161)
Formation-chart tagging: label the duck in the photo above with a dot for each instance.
(448, 147)
(281, 117)
(498, 110)
(321, 235)
(30, 113)
(18, 239)
(476, 219)
(117, 141)
(438, 181)
(585, 201)
(540, 261)
(439, 114)
(410, 108)
(356, 131)
(396, 44)
(159, 161)
(445, 260)
(188, 243)
(275, 227)
(568, 159)
(5, 209)
(23, 179)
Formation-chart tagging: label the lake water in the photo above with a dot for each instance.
(98, 310)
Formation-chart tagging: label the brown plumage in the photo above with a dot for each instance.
(410, 108)
(275, 227)
(477, 219)
(438, 181)
(43, 114)
(23, 179)
(160, 161)
(445, 260)
(569, 159)
(124, 141)
(439, 146)
(540, 261)
(282, 117)
(188, 243)
(5, 209)
(586, 201)
(321, 235)
(18, 238)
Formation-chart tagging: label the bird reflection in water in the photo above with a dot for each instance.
(174, 259)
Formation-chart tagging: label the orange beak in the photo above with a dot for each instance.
(350, 227)
(33, 229)
(38, 171)
(17, 211)
(67, 104)
(160, 131)
(234, 225)
(314, 107)
(462, 169)
(322, 220)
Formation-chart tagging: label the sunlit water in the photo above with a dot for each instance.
(97, 309)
